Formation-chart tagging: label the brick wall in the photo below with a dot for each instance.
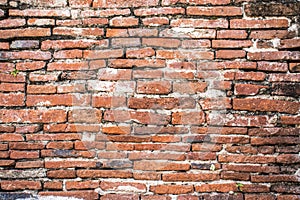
(152, 99)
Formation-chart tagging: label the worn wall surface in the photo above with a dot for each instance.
(149, 99)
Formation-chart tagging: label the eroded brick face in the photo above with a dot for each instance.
(150, 100)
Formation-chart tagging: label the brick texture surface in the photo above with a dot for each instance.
(150, 99)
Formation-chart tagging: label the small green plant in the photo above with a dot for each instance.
(15, 72)
(212, 167)
(240, 186)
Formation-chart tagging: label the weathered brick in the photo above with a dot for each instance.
(123, 3)
(214, 11)
(200, 23)
(172, 189)
(258, 24)
(266, 105)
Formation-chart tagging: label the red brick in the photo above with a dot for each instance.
(116, 32)
(87, 145)
(156, 156)
(114, 74)
(80, 3)
(104, 174)
(248, 89)
(104, 13)
(29, 164)
(188, 118)
(289, 43)
(68, 88)
(25, 32)
(63, 44)
(85, 115)
(271, 66)
(137, 63)
(120, 196)
(189, 87)
(214, 11)
(7, 67)
(188, 33)
(274, 55)
(68, 22)
(258, 24)
(9, 23)
(190, 177)
(161, 42)
(196, 2)
(40, 13)
(260, 196)
(291, 197)
(231, 34)
(11, 99)
(246, 159)
(69, 164)
(231, 43)
(140, 53)
(155, 197)
(55, 100)
(230, 54)
(217, 187)
(290, 120)
(53, 185)
(155, 21)
(172, 189)
(294, 67)
(125, 42)
(28, 66)
(273, 178)
(200, 23)
(64, 54)
(40, 22)
(7, 163)
(160, 166)
(41, 89)
(215, 103)
(51, 3)
(33, 55)
(26, 146)
(4, 45)
(266, 105)
(255, 76)
(82, 194)
(153, 87)
(76, 185)
(225, 65)
(116, 130)
(250, 168)
(122, 186)
(194, 44)
(147, 175)
(36, 77)
(123, 22)
(235, 176)
(60, 174)
(108, 101)
(24, 154)
(53, 137)
(21, 185)
(100, 54)
(59, 145)
(163, 103)
(33, 116)
(268, 34)
(284, 77)
(10, 87)
(75, 32)
(159, 11)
